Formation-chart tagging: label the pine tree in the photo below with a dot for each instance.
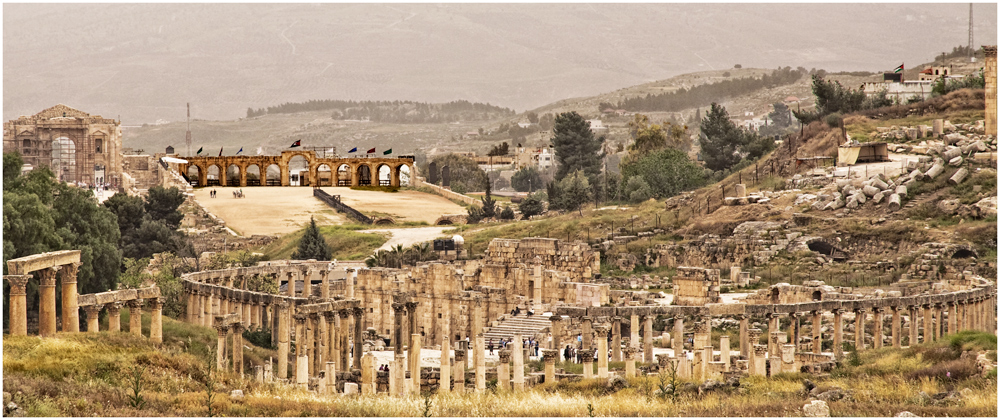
(576, 147)
(312, 246)
(489, 204)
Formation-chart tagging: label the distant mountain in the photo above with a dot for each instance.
(144, 61)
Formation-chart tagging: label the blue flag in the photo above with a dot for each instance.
(241, 151)
(353, 150)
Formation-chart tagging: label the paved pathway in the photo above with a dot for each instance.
(409, 236)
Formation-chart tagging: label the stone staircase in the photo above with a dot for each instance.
(521, 324)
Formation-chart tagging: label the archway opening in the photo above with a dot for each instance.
(384, 175)
(364, 175)
(194, 176)
(344, 175)
(64, 159)
(775, 296)
(963, 253)
(272, 175)
(324, 176)
(402, 177)
(233, 176)
(443, 222)
(213, 175)
(817, 295)
(298, 171)
(253, 175)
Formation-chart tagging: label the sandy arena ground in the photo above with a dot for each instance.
(281, 210)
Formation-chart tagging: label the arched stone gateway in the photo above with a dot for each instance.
(308, 168)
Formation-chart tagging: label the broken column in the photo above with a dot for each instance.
(368, 386)
(744, 338)
(759, 360)
(702, 334)
(550, 356)
(93, 318)
(629, 361)
(503, 371)
(480, 356)
(724, 351)
(458, 374)
(397, 377)
(587, 358)
(19, 303)
(602, 352)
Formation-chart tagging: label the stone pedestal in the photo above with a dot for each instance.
(629, 354)
(47, 302)
(724, 352)
(368, 386)
(517, 356)
(503, 371)
(19, 303)
(759, 366)
(787, 358)
(331, 377)
(458, 373)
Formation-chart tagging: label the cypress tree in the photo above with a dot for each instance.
(312, 245)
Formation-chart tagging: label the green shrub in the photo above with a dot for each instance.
(261, 337)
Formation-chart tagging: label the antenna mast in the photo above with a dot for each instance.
(187, 136)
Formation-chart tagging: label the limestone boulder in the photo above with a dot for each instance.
(816, 408)
(949, 206)
(906, 414)
(987, 206)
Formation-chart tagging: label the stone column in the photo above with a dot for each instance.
(283, 315)
(18, 303)
(744, 338)
(397, 376)
(246, 317)
(838, 334)
(897, 327)
(47, 305)
(616, 339)
(458, 374)
(414, 317)
(503, 371)
(817, 332)
(928, 324)
(93, 321)
(967, 320)
(307, 289)
(707, 356)
(359, 330)
(156, 321)
(647, 340)
(939, 330)
(795, 329)
(301, 357)
(135, 317)
(602, 353)
(773, 323)
(586, 331)
(877, 330)
(859, 329)
(724, 351)
(199, 308)
(517, 356)
(913, 325)
(444, 384)
(414, 355)
(238, 348)
(753, 337)
(331, 338)
(629, 362)
(189, 315)
(953, 317)
(702, 334)
(312, 321)
(114, 316)
(678, 337)
(368, 386)
(550, 357)
(211, 308)
(324, 287)
(352, 276)
(220, 348)
(634, 330)
(290, 292)
(480, 355)
(344, 345)
(70, 306)
(557, 331)
(587, 358)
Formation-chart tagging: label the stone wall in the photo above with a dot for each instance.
(696, 286)
(143, 169)
(576, 259)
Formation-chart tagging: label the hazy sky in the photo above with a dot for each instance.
(145, 61)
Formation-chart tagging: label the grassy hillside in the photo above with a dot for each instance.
(345, 242)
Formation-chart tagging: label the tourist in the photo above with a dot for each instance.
(490, 346)
(536, 348)
(566, 353)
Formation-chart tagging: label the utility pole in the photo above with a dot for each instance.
(187, 136)
(971, 53)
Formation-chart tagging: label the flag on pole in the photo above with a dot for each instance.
(220, 151)
(899, 69)
(387, 152)
(260, 151)
(199, 150)
(241, 151)
(372, 150)
(297, 143)
(353, 150)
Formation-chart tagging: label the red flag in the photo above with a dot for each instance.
(297, 143)
(372, 150)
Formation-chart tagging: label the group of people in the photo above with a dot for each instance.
(527, 343)
(236, 193)
(517, 311)
(383, 368)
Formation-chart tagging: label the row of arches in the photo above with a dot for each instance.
(299, 175)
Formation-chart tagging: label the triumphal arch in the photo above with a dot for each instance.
(77, 146)
(319, 171)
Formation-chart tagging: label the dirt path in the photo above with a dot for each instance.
(407, 237)
(281, 210)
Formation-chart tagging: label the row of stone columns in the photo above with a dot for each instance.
(321, 340)
(203, 307)
(135, 317)
(47, 300)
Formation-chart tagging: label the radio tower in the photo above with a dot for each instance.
(187, 136)
(971, 54)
